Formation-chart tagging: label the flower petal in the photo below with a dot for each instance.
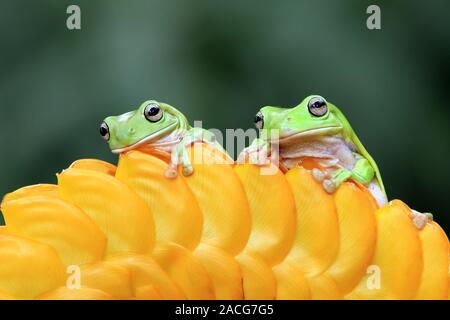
(146, 293)
(49, 190)
(316, 240)
(28, 268)
(434, 282)
(147, 277)
(323, 287)
(177, 215)
(259, 281)
(83, 293)
(222, 200)
(95, 165)
(61, 225)
(6, 296)
(357, 235)
(272, 210)
(113, 279)
(291, 283)
(223, 270)
(185, 270)
(397, 262)
(120, 213)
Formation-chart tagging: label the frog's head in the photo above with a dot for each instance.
(314, 116)
(151, 122)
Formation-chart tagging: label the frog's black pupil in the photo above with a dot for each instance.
(317, 103)
(258, 118)
(317, 107)
(153, 111)
(103, 130)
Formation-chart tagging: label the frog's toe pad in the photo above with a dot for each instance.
(318, 174)
(188, 170)
(171, 173)
(329, 185)
(419, 219)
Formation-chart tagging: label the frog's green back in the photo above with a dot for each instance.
(350, 135)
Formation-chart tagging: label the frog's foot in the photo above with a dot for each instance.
(331, 181)
(171, 172)
(185, 161)
(420, 219)
(322, 177)
(180, 156)
(318, 174)
(188, 170)
(329, 185)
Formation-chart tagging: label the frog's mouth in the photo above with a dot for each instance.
(310, 133)
(167, 141)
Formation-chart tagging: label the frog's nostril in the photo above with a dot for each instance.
(131, 131)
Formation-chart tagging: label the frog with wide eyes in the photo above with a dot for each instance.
(316, 129)
(156, 125)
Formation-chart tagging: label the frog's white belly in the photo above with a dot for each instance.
(168, 142)
(331, 151)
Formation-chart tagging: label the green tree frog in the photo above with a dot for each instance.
(156, 125)
(316, 129)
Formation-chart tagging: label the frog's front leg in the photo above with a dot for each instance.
(257, 153)
(180, 154)
(362, 172)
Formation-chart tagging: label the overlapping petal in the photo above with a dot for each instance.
(222, 200)
(357, 235)
(396, 269)
(49, 190)
(259, 282)
(177, 215)
(121, 214)
(28, 268)
(316, 241)
(185, 270)
(226, 232)
(272, 209)
(434, 283)
(95, 165)
(82, 293)
(61, 225)
(148, 279)
(223, 270)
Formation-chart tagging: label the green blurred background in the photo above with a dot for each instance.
(219, 61)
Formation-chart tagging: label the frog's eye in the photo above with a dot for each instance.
(317, 106)
(153, 112)
(104, 131)
(259, 121)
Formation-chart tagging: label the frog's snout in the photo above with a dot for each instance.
(125, 135)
